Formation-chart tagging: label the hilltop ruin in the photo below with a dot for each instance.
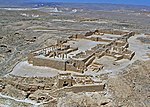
(78, 52)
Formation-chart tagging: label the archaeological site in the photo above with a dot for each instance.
(78, 52)
(74, 55)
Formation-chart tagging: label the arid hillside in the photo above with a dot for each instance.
(131, 88)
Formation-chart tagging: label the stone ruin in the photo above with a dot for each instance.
(78, 54)
(67, 57)
(45, 89)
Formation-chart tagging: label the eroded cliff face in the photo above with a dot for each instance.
(131, 87)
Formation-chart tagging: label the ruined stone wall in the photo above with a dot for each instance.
(60, 65)
(25, 87)
(118, 57)
(120, 43)
(80, 65)
(126, 45)
(88, 57)
(30, 58)
(77, 36)
(103, 40)
(90, 61)
(98, 39)
(132, 55)
(89, 33)
(129, 34)
(31, 83)
(71, 50)
(100, 54)
(103, 31)
(110, 31)
(70, 67)
(61, 41)
(65, 82)
(129, 56)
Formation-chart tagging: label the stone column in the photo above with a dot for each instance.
(62, 56)
(54, 54)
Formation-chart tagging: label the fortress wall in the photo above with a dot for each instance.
(129, 34)
(79, 65)
(79, 36)
(109, 54)
(126, 45)
(89, 33)
(126, 56)
(129, 56)
(118, 57)
(70, 67)
(88, 57)
(65, 82)
(118, 32)
(28, 86)
(34, 87)
(94, 38)
(30, 58)
(104, 31)
(119, 43)
(88, 52)
(132, 55)
(98, 39)
(61, 41)
(99, 55)
(89, 61)
(103, 40)
(23, 87)
(25, 84)
(79, 54)
(109, 31)
(71, 50)
(127, 51)
(60, 65)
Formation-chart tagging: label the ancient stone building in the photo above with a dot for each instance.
(79, 51)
